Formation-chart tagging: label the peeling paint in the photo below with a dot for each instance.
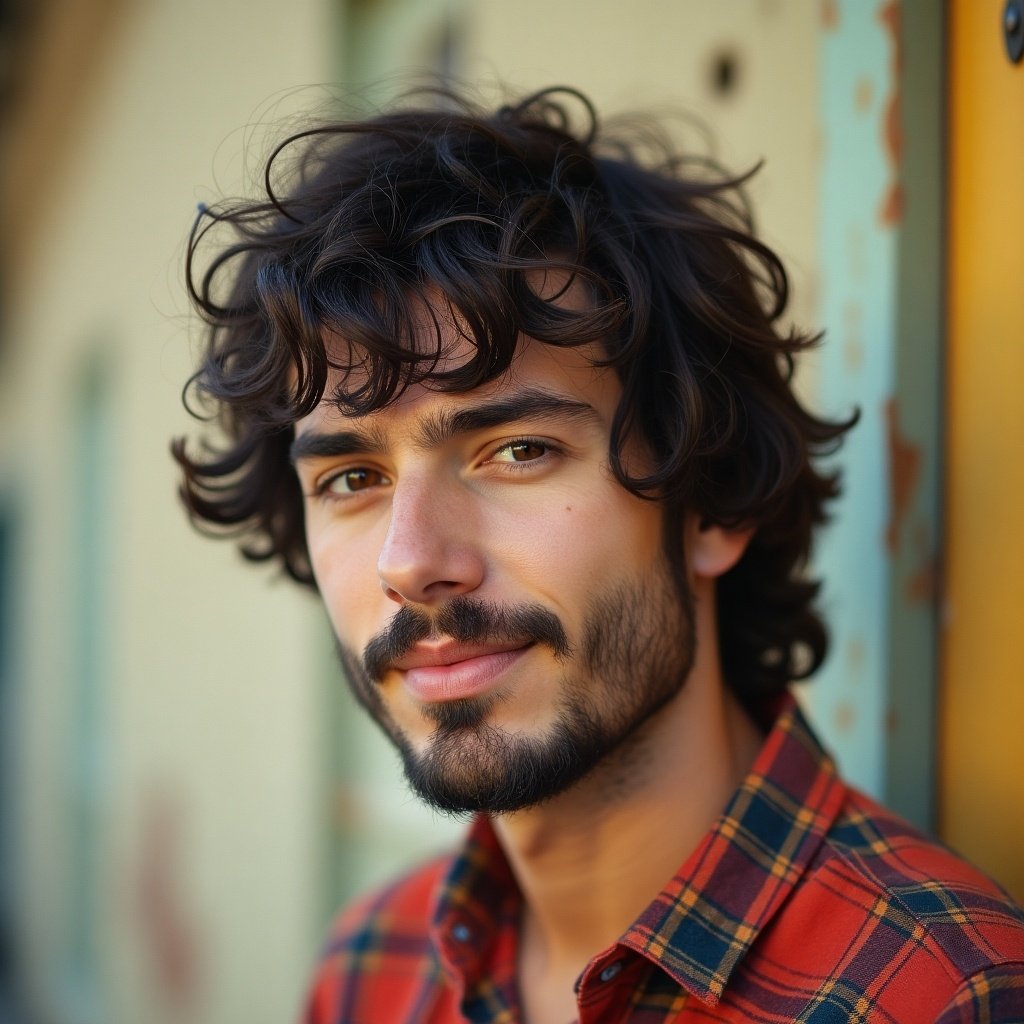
(864, 95)
(923, 584)
(892, 722)
(845, 716)
(855, 657)
(891, 211)
(347, 808)
(853, 354)
(859, 259)
(905, 459)
(168, 931)
(853, 337)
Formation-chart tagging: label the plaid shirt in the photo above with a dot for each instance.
(805, 902)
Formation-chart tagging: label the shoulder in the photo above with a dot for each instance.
(994, 995)
(913, 927)
(960, 909)
(379, 945)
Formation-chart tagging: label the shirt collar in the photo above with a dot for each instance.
(703, 922)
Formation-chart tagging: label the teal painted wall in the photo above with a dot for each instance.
(857, 249)
(881, 304)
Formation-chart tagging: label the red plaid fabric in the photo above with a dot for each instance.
(805, 902)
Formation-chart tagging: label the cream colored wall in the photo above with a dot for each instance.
(209, 711)
(656, 56)
(651, 56)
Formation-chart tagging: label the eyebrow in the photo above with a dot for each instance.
(438, 428)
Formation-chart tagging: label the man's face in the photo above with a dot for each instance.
(502, 605)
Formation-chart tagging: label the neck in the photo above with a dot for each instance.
(590, 860)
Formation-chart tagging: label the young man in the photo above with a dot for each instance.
(513, 398)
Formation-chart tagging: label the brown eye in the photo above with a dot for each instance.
(353, 480)
(521, 451)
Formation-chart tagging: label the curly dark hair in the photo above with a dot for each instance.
(443, 202)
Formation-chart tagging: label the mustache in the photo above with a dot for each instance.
(468, 621)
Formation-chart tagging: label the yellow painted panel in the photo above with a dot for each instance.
(982, 697)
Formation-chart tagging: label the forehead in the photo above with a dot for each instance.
(566, 376)
(572, 372)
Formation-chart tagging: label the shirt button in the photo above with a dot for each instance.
(610, 971)
(461, 933)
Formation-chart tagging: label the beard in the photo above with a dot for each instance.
(634, 655)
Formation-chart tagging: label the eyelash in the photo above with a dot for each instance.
(547, 446)
(321, 488)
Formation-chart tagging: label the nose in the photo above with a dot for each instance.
(429, 553)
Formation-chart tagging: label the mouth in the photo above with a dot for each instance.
(454, 671)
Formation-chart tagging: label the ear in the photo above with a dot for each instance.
(713, 550)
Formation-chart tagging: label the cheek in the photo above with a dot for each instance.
(346, 576)
(580, 542)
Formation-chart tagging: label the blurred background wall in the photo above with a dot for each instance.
(186, 793)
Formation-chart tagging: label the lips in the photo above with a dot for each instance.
(450, 653)
(454, 671)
